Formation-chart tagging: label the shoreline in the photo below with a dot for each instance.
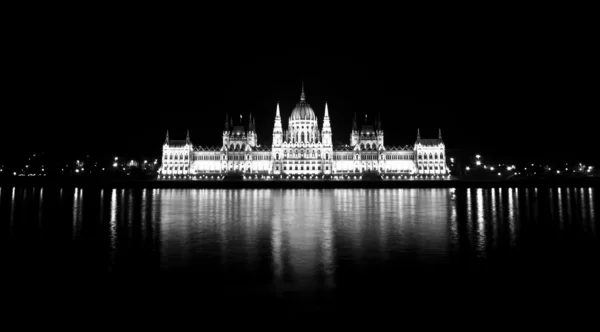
(298, 184)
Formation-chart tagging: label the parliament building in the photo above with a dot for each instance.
(304, 151)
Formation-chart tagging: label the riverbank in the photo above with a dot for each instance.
(285, 184)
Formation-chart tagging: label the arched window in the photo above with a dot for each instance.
(327, 156)
(430, 156)
(301, 137)
(277, 156)
(362, 146)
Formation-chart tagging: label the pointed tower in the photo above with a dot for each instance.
(167, 138)
(277, 129)
(226, 130)
(326, 133)
(354, 134)
(252, 138)
(188, 141)
(379, 130)
(418, 135)
(440, 135)
(302, 95)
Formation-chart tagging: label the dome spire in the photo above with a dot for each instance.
(302, 95)
(187, 138)
(167, 138)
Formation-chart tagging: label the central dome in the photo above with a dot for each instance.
(303, 111)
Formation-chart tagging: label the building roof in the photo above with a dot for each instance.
(399, 148)
(343, 148)
(366, 130)
(303, 111)
(177, 143)
(208, 148)
(238, 130)
(261, 148)
(430, 141)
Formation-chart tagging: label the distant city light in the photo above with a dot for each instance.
(478, 163)
(145, 161)
(76, 171)
(499, 174)
(451, 160)
(557, 172)
(468, 168)
(492, 168)
(478, 156)
(115, 165)
(116, 158)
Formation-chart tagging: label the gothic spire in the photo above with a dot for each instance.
(167, 138)
(187, 138)
(418, 134)
(440, 136)
(226, 122)
(277, 115)
(326, 110)
(354, 125)
(302, 95)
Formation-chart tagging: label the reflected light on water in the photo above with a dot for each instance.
(481, 239)
(592, 193)
(561, 217)
(112, 230)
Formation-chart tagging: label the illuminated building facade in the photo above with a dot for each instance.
(303, 150)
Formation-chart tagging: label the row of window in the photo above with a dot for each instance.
(431, 156)
(430, 168)
(175, 157)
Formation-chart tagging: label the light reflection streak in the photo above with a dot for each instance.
(494, 217)
(481, 240)
(40, 209)
(569, 212)
(328, 246)
(453, 217)
(470, 216)
(592, 193)
(12, 211)
(551, 203)
(112, 230)
(76, 215)
(101, 210)
(561, 219)
(511, 215)
(517, 218)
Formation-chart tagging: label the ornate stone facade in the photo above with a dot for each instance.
(304, 150)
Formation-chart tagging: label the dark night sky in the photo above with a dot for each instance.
(523, 92)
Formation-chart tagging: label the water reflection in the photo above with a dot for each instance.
(293, 240)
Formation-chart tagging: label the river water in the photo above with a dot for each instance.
(302, 250)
